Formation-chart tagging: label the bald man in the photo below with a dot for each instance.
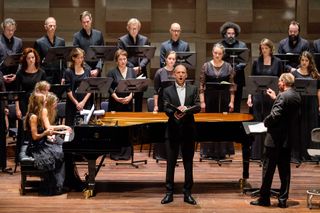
(42, 46)
(174, 43)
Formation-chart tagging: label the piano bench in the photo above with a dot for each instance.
(28, 170)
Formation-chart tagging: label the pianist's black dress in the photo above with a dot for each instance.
(48, 157)
(216, 101)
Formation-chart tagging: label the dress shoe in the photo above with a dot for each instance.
(282, 204)
(189, 199)
(167, 199)
(260, 202)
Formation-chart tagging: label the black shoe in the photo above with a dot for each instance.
(260, 202)
(189, 199)
(282, 204)
(167, 199)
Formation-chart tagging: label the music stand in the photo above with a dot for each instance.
(306, 87)
(100, 53)
(166, 83)
(128, 86)
(12, 60)
(237, 56)
(144, 51)
(6, 96)
(188, 59)
(58, 54)
(258, 84)
(220, 87)
(58, 89)
(95, 85)
(289, 58)
(317, 60)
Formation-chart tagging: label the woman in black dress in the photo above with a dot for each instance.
(309, 107)
(48, 155)
(26, 78)
(73, 77)
(266, 65)
(119, 101)
(215, 72)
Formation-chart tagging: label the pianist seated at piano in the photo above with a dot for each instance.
(48, 155)
(121, 102)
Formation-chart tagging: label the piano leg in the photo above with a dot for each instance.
(89, 191)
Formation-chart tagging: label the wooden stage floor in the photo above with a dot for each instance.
(127, 189)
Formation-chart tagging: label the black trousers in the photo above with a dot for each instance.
(187, 150)
(276, 157)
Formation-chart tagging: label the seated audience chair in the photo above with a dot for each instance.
(315, 153)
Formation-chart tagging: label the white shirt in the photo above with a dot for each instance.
(181, 90)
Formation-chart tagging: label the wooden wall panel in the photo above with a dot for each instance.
(272, 16)
(164, 13)
(314, 17)
(220, 11)
(118, 12)
(72, 3)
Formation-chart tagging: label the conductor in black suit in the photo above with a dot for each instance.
(139, 64)
(282, 123)
(181, 101)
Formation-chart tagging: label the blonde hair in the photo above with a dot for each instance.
(51, 101)
(42, 87)
(287, 79)
(35, 106)
(134, 21)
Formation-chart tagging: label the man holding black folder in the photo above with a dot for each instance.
(181, 101)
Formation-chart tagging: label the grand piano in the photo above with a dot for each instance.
(113, 130)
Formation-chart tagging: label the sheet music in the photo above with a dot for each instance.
(141, 77)
(257, 128)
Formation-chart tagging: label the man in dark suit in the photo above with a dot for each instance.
(86, 37)
(11, 45)
(282, 124)
(174, 43)
(230, 32)
(42, 45)
(181, 101)
(139, 64)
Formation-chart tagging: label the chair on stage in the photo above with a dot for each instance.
(13, 131)
(315, 153)
(61, 112)
(105, 105)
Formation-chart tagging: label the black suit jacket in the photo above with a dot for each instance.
(16, 48)
(133, 61)
(184, 127)
(283, 120)
(43, 44)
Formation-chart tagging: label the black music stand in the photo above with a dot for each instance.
(95, 85)
(189, 60)
(12, 60)
(237, 56)
(58, 54)
(258, 84)
(306, 87)
(316, 57)
(255, 192)
(100, 53)
(220, 87)
(6, 96)
(133, 86)
(289, 59)
(58, 89)
(144, 51)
